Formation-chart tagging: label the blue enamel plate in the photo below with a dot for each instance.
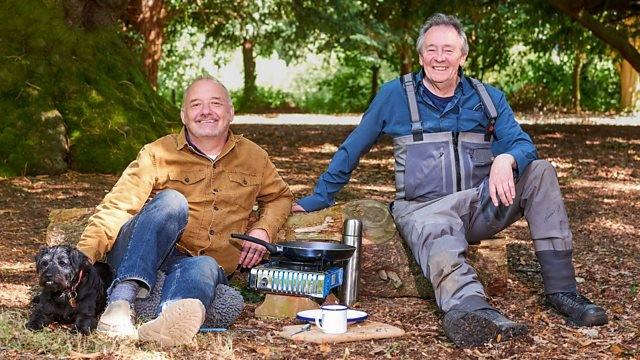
(353, 316)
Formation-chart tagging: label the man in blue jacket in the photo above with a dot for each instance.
(464, 171)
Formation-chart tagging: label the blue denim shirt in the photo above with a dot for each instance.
(388, 114)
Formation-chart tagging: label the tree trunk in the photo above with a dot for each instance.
(249, 63)
(609, 35)
(629, 87)
(93, 14)
(406, 59)
(375, 79)
(578, 63)
(149, 17)
(629, 78)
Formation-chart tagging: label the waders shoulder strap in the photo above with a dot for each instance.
(489, 108)
(410, 89)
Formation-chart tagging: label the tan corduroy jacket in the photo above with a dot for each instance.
(221, 195)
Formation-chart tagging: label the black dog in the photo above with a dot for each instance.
(73, 290)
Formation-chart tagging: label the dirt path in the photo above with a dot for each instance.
(599, 169)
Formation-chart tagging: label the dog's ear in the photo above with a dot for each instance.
(79, 259)
(41, 252)
(39, 256)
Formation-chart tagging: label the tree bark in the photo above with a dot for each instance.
(612, 37)
(578, 63)
(406, 59)
(630, 78)
(149, 17)
(629, 87)
(249, 63)
(375, 79)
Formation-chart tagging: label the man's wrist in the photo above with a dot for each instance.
(511, 158)
(260, 233)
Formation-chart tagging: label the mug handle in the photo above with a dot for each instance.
(318, 319)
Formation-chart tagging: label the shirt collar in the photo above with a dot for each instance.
(183, 141)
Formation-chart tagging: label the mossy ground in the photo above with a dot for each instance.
(92, 79)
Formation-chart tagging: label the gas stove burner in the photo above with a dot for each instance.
(299, 278)
(317, 265)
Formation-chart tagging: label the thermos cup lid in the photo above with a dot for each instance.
(352, 227)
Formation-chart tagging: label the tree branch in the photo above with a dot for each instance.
(611, 36)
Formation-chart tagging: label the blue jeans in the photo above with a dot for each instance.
(147, 243)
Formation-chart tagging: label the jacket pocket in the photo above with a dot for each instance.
(242, 189)
(195, 187)
(191, 184)
(481, 159)
(426, 176)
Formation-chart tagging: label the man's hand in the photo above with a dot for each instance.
(252, 253)
(295, 208)
(502, 189)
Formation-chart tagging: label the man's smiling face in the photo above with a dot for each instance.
(441, 55)
(207, 111)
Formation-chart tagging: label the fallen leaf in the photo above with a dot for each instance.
(78, 355)
(616, 349)
(324, 348)
(263, 350)
(589, 332)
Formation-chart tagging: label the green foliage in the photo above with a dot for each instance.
(526, 48)
(87, 85)
(346, 91)
(537, 82)
(542, 46)
(184, 56)
(345, 87)
(265, 100)
(600, 85)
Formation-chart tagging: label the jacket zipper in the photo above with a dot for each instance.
(457, 159)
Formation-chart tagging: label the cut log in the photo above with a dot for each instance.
(66, 225)
(382, 246)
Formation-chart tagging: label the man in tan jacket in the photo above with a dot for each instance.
(174, 208)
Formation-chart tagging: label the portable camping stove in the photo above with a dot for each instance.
(300, 278)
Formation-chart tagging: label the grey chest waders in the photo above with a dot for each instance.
(442, 204)
(432, 165)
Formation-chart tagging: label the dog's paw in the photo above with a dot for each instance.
(82, 330)
(34, 325)
(84, 326)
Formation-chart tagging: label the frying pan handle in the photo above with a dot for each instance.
(273, 249)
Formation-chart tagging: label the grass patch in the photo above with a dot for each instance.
(59, 342)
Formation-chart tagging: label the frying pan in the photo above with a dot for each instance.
(304, 250)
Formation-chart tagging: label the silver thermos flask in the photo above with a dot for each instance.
(351, 235)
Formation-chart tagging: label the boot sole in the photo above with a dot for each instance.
(467, 329)
(178, 323)
(117, 325)
(599, 320)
